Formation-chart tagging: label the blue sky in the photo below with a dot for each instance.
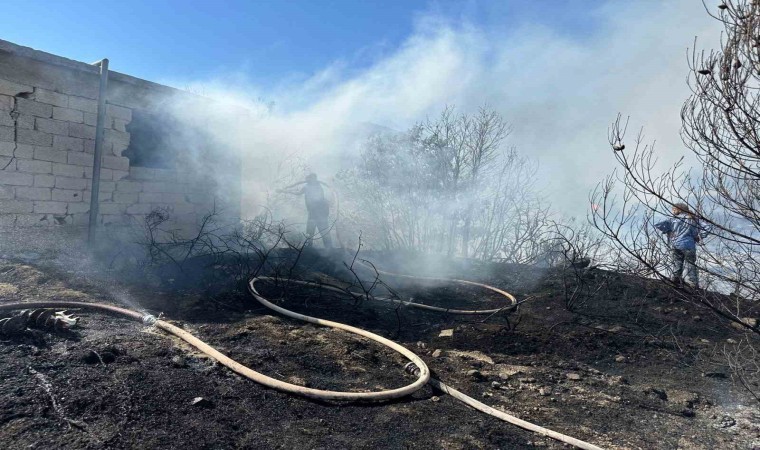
(265, 41)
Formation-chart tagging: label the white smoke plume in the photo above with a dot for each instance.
(559, 92)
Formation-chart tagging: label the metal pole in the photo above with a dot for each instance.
(99, 131)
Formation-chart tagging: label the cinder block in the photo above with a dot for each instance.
(52, 126)
(16, 206)
(6, 148)
(102, 196)
(31, 107)
(44, 180)
(125, 197)
(32, 166)
(80, 159)
(78, 208)
(119, 112)
(120, 174)
(81, 130)
(7, 134)
(112, 208)
(129, 186)
(78, 184)
(56, 127)
(7, 193)
(50, 207)
(105, 174)
(140, 208)
(6, 120)
(151, 197)
(68, 143)
(117, 137)
(25, 122)
(90, 119)
(8, 163)
(67, 195)
(24, 151)
(116, 162)
(13, 89)
(83, 104)
(32, 193)
(49, 154)
(117, 149)
(6, 102)
(68, 170)
(89, 146)
(51, 98)
(34, 137)
(16, 179)
(119, 125)
(105, 186)
(68, 114)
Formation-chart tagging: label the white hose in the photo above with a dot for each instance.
(422, 370)
(512, 300)
(482, 407)
(424, 374)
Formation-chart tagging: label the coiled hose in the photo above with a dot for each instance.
(416, 366)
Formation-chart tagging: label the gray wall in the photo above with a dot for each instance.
(48, 107)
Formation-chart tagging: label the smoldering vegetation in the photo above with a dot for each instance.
(451, 197)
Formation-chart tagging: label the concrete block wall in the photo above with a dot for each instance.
(48, 113)
(46, 155)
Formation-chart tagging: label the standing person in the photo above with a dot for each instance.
(317, 207)
(684, 232)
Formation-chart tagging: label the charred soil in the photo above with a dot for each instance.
(634, 366)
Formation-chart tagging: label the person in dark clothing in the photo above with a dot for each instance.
(684, 232)
(316, 205)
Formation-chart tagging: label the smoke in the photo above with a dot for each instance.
(559, 91)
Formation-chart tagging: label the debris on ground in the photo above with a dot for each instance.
(117, 383)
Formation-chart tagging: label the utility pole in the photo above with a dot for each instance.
(99, 131)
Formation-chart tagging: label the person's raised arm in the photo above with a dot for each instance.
(665, 226)
(286, 191)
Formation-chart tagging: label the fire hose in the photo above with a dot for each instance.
(416, 366)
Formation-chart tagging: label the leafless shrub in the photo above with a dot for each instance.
(572, 250)
(721, 128)
(446, 186)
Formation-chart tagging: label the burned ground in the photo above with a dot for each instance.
(633, 367)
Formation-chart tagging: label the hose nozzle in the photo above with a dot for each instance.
(412, 368)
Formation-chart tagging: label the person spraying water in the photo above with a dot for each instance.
(317, 206)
